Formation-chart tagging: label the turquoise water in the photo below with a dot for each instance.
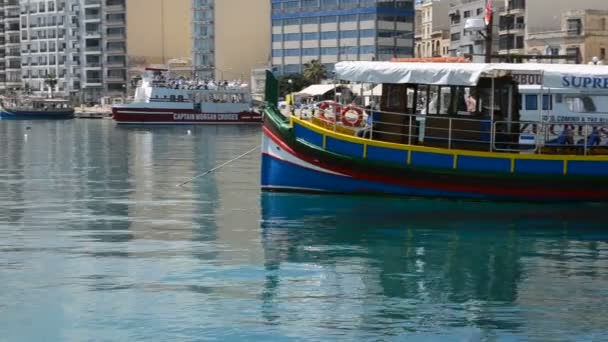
(97, 243)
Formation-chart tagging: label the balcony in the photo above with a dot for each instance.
(92, 17)
(115, 8)
(92, 3)
(92, 49)
(115, 79)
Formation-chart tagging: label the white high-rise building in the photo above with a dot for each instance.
(81, 43)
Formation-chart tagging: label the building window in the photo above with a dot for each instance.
(329, 51)
(331, 19)
(466, 14)
(531, 102)
(310, 20)
(310, 3)
(479, 11)
(602, 53)
(455, 36)
(310, 52)
(329, 35)
(575, 27)
(310, 36)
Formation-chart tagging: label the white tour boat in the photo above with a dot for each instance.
(159, 100)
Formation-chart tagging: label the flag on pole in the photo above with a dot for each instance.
(488, 17)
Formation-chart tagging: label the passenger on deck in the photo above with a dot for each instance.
(471, 104)
(565, 138)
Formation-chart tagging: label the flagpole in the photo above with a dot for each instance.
(489, 29)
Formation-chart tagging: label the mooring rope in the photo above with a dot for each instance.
(219, 166)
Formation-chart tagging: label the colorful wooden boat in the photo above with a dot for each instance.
(459, 154)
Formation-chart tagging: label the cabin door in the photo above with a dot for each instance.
(392, 123)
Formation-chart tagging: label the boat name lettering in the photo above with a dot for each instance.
(528, 79)
(206, 117)
(585, 82)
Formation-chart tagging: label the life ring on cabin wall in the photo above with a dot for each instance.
(325, 105)
(351, 109)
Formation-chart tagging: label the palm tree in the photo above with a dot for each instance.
(51, 81)
(314, 71)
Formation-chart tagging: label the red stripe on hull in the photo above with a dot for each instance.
(507, 192)
(171, 116)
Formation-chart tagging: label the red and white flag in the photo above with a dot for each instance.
(488, 17)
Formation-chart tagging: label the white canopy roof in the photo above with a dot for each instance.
(468, 74)
(316, 90)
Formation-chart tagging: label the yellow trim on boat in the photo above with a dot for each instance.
(565, 167)
(416, 148)
(455, 162)
(512, 165)
(409, 157)
(324, 141)
(364, 151)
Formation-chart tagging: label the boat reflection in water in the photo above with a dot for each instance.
(435, 268)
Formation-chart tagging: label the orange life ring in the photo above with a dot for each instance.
(325, 105)
(355, 123)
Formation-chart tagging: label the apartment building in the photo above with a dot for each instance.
(230, 37)
(523, 24)
(465, 42)
(10, 52)
(583, 36)
(103, 49)
(338, 30)
(432, 28)
(82, 43)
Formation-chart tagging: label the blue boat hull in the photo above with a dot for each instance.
(36, 115)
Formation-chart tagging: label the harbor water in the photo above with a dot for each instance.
(99, 243)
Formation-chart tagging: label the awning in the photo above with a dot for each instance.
(316, 90)
(588, 77)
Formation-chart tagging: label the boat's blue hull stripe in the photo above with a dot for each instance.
(587, 168)
(544, 167)
(344, 147)
(435, 160)
(278, 174)
(471, 163)
(308, 135)
(386, 154)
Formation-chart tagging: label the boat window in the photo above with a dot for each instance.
(559, 98)
(547, 102)
(172, 98)
(445, 100)
(180, 98)
(531, 102)
(580, 104)
(421, 100)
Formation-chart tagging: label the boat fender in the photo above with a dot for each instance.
(347, 122)
(323, 106)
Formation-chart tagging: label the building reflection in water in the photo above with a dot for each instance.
(421, 262)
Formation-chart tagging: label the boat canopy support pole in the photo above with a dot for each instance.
(492, 128)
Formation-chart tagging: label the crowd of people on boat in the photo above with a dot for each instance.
(160, 80)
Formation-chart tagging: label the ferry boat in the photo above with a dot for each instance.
(30, 108)
(469, 147)
(159, 100)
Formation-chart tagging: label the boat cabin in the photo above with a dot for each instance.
(482, 107)
(42, 105)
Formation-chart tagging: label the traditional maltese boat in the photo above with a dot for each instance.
(448, 130)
